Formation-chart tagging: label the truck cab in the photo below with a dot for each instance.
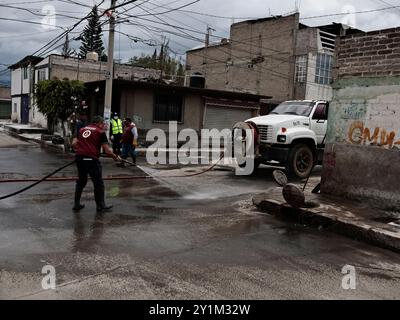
(292, 135)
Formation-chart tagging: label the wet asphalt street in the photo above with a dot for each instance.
(178, 238)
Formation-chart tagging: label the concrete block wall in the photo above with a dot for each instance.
(369, 54)
(363, 141)
(259, 58)
(87, 71)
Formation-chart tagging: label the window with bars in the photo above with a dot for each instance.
(25, 73)
(41, 75)
(301, 69)
(168, 108)
(323, 72)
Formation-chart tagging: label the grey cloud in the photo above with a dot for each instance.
(18, 43)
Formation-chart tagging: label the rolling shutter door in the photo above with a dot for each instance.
(5, 110)
(219, 117)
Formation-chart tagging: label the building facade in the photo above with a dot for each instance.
(153, 106)
(22, 84)
(277, 56)
(31, 70)
(363, 143)
(5, 102)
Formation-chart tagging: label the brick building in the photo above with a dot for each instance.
(363, 142)
(277, 56)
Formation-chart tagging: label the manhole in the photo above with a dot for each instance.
(294, 196)
(280, 178)
(311, 204)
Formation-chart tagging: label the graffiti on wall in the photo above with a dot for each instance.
(354, 112)
(362, 135)
(329, 163)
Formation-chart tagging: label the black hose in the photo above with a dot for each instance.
(36, 183)
(309, 176)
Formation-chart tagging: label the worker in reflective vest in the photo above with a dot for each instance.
(116, 133)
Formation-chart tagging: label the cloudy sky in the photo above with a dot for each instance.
(25, 28)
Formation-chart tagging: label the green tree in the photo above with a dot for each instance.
(57, 99)
(170, 67)
(91, 36)
(144, 61)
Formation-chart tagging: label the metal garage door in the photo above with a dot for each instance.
(5, 110)
(220, 118)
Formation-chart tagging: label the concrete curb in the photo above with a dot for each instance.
(356, 229)
(43, 144)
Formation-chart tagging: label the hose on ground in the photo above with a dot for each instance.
(36, 183)
(113, 178)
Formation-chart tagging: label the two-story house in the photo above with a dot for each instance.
(22, 82)
(31, 70)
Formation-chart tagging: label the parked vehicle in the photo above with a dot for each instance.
(292, 135)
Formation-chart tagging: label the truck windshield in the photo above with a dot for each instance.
(294, 108)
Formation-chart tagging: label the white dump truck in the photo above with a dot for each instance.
(292, 135)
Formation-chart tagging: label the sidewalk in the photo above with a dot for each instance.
(28, 133)
(356, 220)
(23, 128)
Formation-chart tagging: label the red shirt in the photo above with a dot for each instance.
(90, 140)
(127, 137)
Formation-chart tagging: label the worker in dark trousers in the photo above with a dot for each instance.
(87, 148)
(129, 141)
(116, 133)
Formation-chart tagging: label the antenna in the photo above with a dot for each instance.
(297, 5)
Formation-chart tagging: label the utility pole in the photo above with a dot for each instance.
(162, 55)
(110, 68)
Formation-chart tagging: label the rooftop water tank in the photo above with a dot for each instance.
(197, 80)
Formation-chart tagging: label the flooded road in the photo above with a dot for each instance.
(171, 238)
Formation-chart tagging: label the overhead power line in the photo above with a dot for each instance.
(32, 11)
(346, 13)
(31, 22)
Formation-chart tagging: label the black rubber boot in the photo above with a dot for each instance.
(77, 202)
(100, 203)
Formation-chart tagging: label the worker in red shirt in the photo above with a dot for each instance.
(87, 148)
(129, 141)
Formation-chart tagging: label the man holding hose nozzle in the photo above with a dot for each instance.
(87, 145)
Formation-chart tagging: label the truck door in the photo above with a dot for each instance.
(319, 122)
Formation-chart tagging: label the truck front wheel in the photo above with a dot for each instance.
(300, 161)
